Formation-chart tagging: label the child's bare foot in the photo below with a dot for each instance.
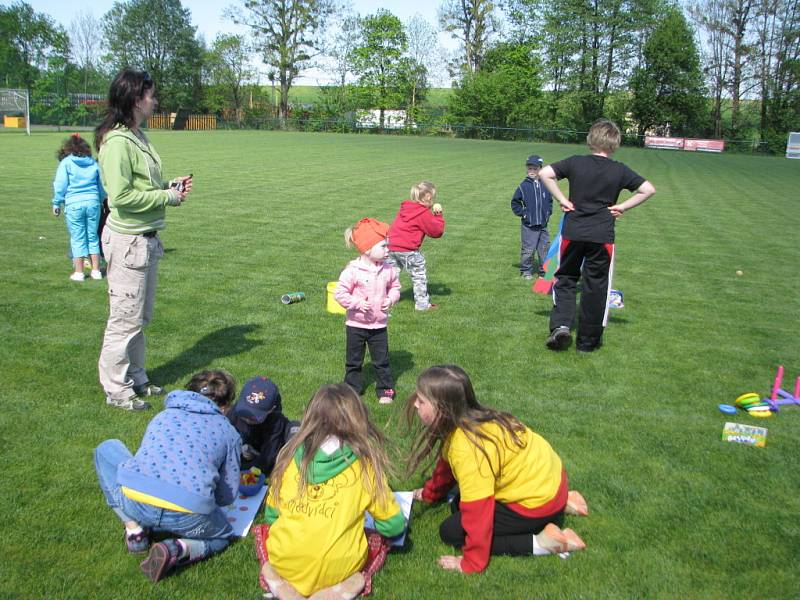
(551, 539)
(282, 589)
(576, 504)
(574, 542)
(346, 590)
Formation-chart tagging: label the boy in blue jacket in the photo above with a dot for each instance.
(533, 203)
(186, 469)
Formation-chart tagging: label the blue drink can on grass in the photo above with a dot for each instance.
(293, 297)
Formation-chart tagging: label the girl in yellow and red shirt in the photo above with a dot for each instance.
(512, 485)
(325, 478)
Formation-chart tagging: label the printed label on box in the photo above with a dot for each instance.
(744, 434)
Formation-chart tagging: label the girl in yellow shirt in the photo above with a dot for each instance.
(512, 485)
(330, 473)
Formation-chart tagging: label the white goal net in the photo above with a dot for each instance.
(15, 108)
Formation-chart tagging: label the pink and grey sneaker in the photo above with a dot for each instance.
(137, 543)
(162, 559)
(387, 397)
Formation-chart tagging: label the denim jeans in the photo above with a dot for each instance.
(204, 534)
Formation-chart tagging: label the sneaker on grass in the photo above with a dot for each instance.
(137, 543)
(132, 403)
(148, 389)
(559, 338)
(162, 559)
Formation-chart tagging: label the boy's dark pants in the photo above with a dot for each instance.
(513, 533)
(378, 341)
(596, 260)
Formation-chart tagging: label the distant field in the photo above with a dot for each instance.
(675, 512)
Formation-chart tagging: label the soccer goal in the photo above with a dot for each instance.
(793, 145)
(15, 108)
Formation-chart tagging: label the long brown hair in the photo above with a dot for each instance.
(336, 410)
(127, 87)
(450, 391)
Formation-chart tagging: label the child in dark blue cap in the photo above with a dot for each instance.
(533, 203)
(258, 418)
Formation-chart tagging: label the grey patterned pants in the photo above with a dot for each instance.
(414, 263)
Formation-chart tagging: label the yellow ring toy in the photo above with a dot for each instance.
(748, 398)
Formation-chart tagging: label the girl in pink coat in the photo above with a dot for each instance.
(368, 287)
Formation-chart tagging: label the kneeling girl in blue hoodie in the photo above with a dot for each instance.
(186, 469)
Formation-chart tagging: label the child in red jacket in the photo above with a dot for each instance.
(416, 218)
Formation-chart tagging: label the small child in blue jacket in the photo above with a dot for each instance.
(186, 469)
(78, 189)
(533, 203)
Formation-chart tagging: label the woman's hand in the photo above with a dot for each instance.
(418, 495)
(450, 563)
(187, 183)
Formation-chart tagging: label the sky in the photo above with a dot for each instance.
(207, 17)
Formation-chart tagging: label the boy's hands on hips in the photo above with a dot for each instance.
(616, 211)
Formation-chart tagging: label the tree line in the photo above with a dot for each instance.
(707, 68)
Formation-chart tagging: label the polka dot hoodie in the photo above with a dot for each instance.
(189, 455)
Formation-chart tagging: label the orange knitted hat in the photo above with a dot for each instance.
(369, 232)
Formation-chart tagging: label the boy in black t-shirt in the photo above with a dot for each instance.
(587, 238)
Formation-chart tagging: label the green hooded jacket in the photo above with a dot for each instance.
(131, 174)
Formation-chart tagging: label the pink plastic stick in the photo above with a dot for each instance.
(797, 390)
(777, 385)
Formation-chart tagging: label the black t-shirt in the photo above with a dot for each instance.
(594, 184)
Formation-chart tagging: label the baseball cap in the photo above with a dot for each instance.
(535, 160)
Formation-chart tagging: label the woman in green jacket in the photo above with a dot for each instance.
(137, 198)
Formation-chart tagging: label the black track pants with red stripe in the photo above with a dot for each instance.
(591, 262)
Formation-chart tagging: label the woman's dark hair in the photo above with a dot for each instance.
(127, 87)
(75, 145)
(217, 385)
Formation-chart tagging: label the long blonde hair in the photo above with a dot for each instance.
(450, 392)
(336, 410)
(422, 189)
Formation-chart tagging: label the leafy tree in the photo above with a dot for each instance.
(668, 88)
(85, 42)
(28, 40)
(157, 35)
(506, 92)
(379, 63)
(288, 34)
(588, 48)
(473, 23)
(228, 67)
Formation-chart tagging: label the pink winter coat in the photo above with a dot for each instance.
(373, 283)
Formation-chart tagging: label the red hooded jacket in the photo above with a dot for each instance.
(413, 222)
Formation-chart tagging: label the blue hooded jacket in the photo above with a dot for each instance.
(77, 180)
(533, 202)
(189, 455)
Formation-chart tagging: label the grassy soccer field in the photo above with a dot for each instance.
(675, 512)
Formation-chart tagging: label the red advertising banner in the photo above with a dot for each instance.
(667, 143)
(693, 145)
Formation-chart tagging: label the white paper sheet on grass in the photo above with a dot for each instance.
(243, 511)
(404, 499)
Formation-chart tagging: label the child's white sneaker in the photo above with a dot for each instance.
(77, 277)
(96, 274)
